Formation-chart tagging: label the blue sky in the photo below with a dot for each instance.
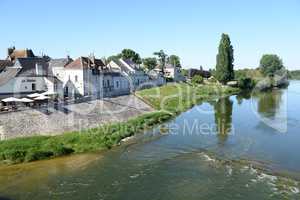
(188, 28)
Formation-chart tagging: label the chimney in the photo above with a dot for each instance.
(10, 50)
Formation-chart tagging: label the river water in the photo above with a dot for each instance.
(238, 147)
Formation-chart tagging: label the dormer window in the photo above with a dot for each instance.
(39, 70)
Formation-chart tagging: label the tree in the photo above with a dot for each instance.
(113, 57)
(174, 60)
(132, 55)
(269, 64)
(150, 63)
(224, 67)
(162, 59)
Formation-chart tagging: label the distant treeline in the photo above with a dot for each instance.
(295, 74)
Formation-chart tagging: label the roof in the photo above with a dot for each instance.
(4, 64)
(122, 67)
(129, 62)
(59, 62)
(86, 62)
(29, 66)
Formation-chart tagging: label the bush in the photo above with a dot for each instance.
(246, 83)
(197, 79)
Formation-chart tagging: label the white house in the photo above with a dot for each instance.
(27, 75)
(134, 73)
(88, 76)
(171, 72)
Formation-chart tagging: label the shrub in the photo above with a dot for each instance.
(246, 83)
(33, 155)
(197, 79)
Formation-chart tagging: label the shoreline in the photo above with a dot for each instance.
(29, 149)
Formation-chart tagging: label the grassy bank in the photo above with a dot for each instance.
(169, 100)
(104, 137)
(178, 97)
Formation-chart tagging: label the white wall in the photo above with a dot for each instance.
(23, 85)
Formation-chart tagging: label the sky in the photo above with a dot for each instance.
(190, 29)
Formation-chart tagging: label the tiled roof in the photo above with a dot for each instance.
(59, 62)
(86, 62)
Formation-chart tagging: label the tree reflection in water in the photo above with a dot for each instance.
(223, 118)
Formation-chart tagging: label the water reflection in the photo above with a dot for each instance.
(269, 103)
(223, 118)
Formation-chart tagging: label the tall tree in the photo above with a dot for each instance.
(269, 64)
(174, 60)
(225, 59)
(132, 55)
(162, 57)
(150, 63)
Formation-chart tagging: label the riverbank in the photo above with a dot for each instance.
(169, 100)
(177, 98)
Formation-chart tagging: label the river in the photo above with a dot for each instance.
(239, 147)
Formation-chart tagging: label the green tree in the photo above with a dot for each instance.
(269, 64)
(150, 63)
(162, 57)
(113, 57)
(132, 55)
(174, 60)
(225, 59)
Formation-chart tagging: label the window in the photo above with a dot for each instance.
(107, 83)
(33, 87)
(76, 78)
(117, 83)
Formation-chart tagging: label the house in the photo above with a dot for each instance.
(171, 72)
(135, 74)
(88, 76)
(27, 75)
(156, 78)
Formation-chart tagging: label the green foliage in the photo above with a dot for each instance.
(251, 73)
(132, 55)
(224, 67)
(162, 57)
(197, 79)
(150, 63)
(295, 75)
(174, 60)
(246, 83)
(269, 64)
(104, 137)
(184, 72)
(114, 57)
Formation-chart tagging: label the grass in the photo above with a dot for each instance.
(178, 97)
(104, 137)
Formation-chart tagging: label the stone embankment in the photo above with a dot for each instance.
(56, 120)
